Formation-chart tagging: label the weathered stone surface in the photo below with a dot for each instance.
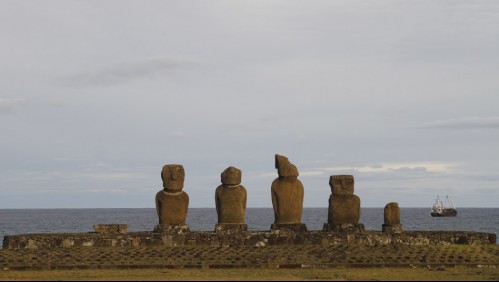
(172, 228)
(344, 209)
(344, 228)
(181, 236)
(287, 193)
(172, 203)
(297, 227)
(231, 228)
(392, 214)
(392, 228)
(111, 228)
(341, 184)
(230, 197)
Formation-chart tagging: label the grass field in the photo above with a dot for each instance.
(338, 274)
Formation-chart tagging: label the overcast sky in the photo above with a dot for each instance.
(96, 96)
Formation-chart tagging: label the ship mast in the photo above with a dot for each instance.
(450, 202)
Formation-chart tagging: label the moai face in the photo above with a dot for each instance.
(284, 167)
(341, 184)
(173, 176)
(231, 176)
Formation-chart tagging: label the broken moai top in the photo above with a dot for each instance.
(284, 167)
(341, 184)
(230, 197)
(392, 214)
(287, 193)
(171, 202)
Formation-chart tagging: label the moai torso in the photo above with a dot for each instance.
(287, 193)
(344, 206)
(230, 197)
(172, 203)
(392, 214)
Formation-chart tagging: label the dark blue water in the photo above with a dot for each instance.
(25, 221)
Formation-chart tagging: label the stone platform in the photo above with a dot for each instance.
(178, 247)
(183, 237)
(295, 256)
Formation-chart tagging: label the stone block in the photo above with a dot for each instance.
(230, 228)
(344, 228)
(111, 228)
(297, 227)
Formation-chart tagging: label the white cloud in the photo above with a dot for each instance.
(391, 167)
(126, 71)
(8, 105)
(463, 123)
(177, 133)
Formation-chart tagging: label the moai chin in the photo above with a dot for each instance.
(344, 205)
(392, 219)
(172, 203)
(230, 200)
(287, 197)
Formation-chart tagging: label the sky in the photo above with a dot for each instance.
(96, 96)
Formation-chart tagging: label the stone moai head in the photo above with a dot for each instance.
(284, 167)
(392, 213)
(173, 177)
(341, 184)
(231, 176)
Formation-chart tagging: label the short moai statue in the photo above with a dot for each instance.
(172, 203)
(287, 197)
(344, 206)
(230, 201)
(392, 219)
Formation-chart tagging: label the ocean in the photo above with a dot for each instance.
(29, 221)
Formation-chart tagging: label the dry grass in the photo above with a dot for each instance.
(357, 274)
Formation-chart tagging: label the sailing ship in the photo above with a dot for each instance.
(439, 209)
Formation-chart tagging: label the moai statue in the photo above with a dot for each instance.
(171, 202)
(344, 206)
(392, 219)
(230, 200)
(287, 196)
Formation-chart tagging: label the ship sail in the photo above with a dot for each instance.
(438, 208)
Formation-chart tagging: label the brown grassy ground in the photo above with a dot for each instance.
(357, 274)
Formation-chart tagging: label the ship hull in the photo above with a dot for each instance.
(445, 212)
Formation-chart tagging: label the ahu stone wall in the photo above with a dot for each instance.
(238, 238)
